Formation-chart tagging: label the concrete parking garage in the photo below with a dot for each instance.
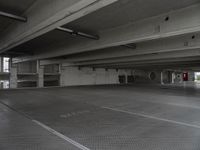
(99, 75)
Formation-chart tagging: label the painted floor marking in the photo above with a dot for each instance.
(78, 145)
(153, 117)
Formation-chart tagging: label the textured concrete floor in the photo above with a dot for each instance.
(138, 117)
(20, 133)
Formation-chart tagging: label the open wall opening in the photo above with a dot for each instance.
(197, 76)
(4, 84)
(4, 72)
(51, 75)
(27, 74)
(6, 65)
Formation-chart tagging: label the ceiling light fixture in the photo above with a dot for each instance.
(78, 33)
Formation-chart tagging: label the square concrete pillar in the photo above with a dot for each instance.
(61, 69)
(41, 76)
(13, 76)
(173, 77)
(161, 78)
(1, 64)
(1, 85)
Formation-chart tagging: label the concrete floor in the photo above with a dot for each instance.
(139, 117)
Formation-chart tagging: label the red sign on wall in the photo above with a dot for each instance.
(185, 76)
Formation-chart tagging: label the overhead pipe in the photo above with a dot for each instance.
(13, 16)
(77, 33)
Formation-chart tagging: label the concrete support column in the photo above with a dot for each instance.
(13, 76)
(161, 78)
(41, 76)
(61, 75)
(181, 77)
(173, 77)
(1, 64)
(1, 68)
(1, 85)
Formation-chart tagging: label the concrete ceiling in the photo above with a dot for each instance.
(125, 11)
(44, 16)
(119, 13)
(48, 39)
(108, 18)
(14, 7)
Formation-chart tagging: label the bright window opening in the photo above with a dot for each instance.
(4, 84)
(6, 64)
(197, 76)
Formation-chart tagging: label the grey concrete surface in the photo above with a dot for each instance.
(20, 133)
(139, 117)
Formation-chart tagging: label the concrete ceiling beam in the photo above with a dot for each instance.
(167, 55)
(188, 42)
(150, 65)
(178, 43)
(148, 62)
(49, 62)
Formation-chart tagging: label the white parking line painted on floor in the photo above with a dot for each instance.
(153, 117)
(78, 145)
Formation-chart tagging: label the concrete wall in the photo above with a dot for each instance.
(142, 76)
(88, 76)
(51, 68)
(27, 67)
